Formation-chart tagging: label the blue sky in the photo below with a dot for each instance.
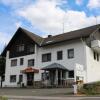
(45, 17)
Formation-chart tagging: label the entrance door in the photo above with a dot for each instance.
(30, 79)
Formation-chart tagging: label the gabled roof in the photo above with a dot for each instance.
(37, 39)
(33, 36)
(85, 32)
(54, 66)
(70, 35)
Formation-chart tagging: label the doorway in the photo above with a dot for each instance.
(30, 79)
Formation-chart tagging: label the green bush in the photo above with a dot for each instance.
(3, 98)
(90, 89)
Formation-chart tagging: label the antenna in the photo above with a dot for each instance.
(96, 19)
(63, 25)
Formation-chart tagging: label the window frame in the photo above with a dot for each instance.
(12, 61)
(47, 57)
(59, 55)
(21, 61)
(13, 81)
(20, 48)
(70, 75)
(32, 64)
(30, 47)
(68, 53)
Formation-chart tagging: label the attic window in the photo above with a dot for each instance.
(20, 48)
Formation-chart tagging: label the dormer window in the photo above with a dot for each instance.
(20, 48)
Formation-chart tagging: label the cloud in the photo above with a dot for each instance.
(79, 2)
(93, 4)
(48, 17)
(18, 24)
(4, 39)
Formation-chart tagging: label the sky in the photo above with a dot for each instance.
(44, 17)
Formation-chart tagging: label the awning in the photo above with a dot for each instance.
(30, 70)
(54, 66)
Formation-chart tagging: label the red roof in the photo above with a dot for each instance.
(30, 70)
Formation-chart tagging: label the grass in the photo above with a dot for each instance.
(3, 98)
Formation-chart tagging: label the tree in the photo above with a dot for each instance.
(2, 65)
(2, 68)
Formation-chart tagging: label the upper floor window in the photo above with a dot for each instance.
(46, 57)
(70, 53)
(31, 49)
(31, 62)
(21, 61)
(14, 62)
(59, 55)
(71, 74)
(20, 48)
(12, 78)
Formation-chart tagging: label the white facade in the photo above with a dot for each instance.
(83, 55)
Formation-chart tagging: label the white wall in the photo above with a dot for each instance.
(16, 70)
(93, 66)
(79, 57)
(79, 54)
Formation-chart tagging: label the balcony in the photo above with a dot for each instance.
(95, 45)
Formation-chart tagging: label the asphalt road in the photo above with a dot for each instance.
(36, 92)
(42, 94)
(60, 98)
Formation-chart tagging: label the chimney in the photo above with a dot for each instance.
(49, 36)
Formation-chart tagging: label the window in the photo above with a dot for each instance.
(96, 56)
(20, 78)
(31, 48)
(14, 62)
(71, 74)
(45, 76)
(20, 48)
(13, 78)
(31, 62)
(70, 53)
(46, 57)
(59, 55)
(21, 61)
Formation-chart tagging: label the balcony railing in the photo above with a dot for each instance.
(95, 45)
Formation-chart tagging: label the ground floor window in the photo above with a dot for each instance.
(45, 75)
(12, 78)
(71, 74)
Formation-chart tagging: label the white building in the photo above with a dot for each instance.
(33, 60)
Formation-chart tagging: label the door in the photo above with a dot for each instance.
(30, 79)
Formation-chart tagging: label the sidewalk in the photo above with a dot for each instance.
(50, 98)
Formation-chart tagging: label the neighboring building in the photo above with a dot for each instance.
(32, 60)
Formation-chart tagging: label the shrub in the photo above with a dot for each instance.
(90, 88)
(3, 98)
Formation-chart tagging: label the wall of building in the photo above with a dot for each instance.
(93, 66)
(16, 70)
(79, 57)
